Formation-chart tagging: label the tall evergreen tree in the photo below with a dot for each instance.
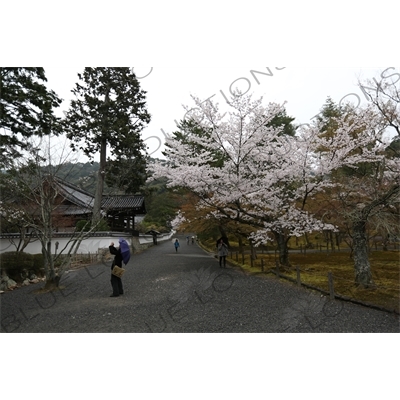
(109, 112)
(26, 109)
(282, 120)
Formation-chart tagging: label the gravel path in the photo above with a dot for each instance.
(185, 292)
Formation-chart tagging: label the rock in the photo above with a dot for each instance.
(26, 282)
(32, 277)
(8, 284)
(24, 274)
(34, 281)
(12, 284)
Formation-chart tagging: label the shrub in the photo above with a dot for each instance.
(14, 263)
(82, 226)
(38, 265)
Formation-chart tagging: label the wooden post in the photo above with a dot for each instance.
(262, 265)
(277, 270)
(331, 286)
(298, 276)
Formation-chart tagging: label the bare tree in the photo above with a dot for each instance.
(385, 96)
(36, 200)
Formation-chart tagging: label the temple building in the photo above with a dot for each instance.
(74, 205)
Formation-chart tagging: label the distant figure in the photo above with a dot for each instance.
(193, 239)
(224, 239)
(177, 245)
(223, 252)
(187, 239)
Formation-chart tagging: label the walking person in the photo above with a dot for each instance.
(177, 245)
(116, 282)
(223, 252)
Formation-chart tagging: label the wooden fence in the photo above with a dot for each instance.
(330, 289)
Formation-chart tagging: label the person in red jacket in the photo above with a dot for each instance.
(116, 282)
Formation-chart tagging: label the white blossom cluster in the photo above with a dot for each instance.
(178, 220)
(12, 215)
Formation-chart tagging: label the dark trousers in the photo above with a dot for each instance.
(222, 260)
(116, 284)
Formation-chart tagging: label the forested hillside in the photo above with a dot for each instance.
(82, 175)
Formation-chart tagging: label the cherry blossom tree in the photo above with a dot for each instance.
(385, 97)
(243, 169)
(13, 219)
(365, 183)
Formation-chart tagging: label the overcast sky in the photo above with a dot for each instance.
(305, 89)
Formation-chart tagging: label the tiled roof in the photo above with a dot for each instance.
(123, 203)
(84, 200)
(74, 194)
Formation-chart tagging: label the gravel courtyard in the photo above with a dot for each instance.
(184, 292)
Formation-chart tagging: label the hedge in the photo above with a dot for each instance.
(14, 263)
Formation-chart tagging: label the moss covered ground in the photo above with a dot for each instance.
(315, 266)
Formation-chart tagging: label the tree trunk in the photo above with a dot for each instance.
(332, 241)
(361, 255)
(308, 243)
(96, 218)
(385, 243)
(282, 241)
(52, 279)
(52, 283)
(338, 240)
(100, 184)
(361, 259)
(253, 251)
(240, 241)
